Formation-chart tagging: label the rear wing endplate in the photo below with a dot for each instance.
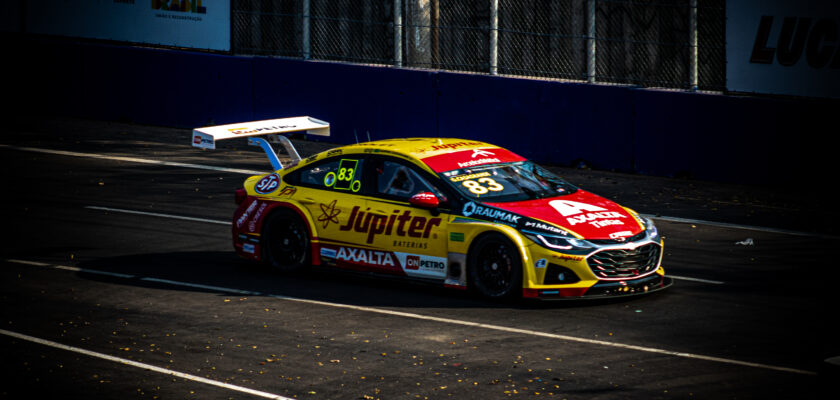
(257, 132)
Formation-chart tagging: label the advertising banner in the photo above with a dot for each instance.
(783, 47)
(198, 24)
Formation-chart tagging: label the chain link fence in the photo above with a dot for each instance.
(649, 43)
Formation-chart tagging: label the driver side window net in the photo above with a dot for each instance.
(398, 180)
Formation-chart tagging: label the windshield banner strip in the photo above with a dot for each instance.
(470, 158)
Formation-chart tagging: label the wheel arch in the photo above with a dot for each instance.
(283, 206)
(510, 234)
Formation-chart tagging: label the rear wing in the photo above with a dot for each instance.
(258, 131)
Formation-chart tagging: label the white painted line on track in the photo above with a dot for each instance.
(152, 214)
(252, 172)
(457, 322)
(144, 366)
(134, 160)
(686, 278)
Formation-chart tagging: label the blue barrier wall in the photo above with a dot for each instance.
(713, 137)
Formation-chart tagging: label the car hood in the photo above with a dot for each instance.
(586, 214)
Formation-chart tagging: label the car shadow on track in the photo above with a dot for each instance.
(204, 271)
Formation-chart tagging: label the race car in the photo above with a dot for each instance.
(460, 213)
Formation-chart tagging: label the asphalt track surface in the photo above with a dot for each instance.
(119, 281)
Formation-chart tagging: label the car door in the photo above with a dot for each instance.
(415, 235)
(332, 190)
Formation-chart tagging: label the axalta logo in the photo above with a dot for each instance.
(417, 262)
(362, 256)
(596, 216)
(817, 40)
(400, 224)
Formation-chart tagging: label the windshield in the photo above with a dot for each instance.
(506, 182)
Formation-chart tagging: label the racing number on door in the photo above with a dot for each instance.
(476, 187)
(344, 179)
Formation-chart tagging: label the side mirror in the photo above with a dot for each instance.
(426, 200)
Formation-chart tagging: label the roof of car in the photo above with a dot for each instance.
(438, 154)
(422, 147)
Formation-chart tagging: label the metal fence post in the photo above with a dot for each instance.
(590, 41)
(306, 30)
(692, 38)
(398, 33)
(494, 37)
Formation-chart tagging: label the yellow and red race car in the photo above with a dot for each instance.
(460, 213)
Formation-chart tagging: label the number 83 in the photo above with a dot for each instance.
(477, 188)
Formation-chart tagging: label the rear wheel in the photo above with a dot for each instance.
(495, 267)
(285, 241)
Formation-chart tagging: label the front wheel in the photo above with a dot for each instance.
(285, 241)
(495, 267)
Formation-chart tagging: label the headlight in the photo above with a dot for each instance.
(562, 244)
(653, 233)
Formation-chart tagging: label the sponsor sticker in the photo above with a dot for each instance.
(472, 209)
(465, 177)
(454, 145)
(252, 226)
(343, 178)
(330, 253)
(415, 262)
(412, 262)
(328, 214)
(622, 234)
(469, 158)
(247, 130)
(543, 227)
(267, 184)
(364, 256)
(567, 257)
(248, 248)
(410, 244)
(244, 216)
(579, 213)
(287, 191)
(398, 223)
(541, 263)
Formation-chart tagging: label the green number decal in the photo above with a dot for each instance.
(346, 172)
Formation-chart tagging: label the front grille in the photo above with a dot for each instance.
(624, 263)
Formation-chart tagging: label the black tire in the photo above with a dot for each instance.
(495, 267)
(285, 241)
